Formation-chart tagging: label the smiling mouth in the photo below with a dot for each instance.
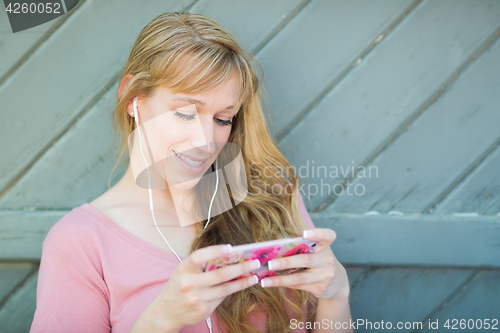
(187, 160)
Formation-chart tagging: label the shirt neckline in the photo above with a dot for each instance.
(130, 237)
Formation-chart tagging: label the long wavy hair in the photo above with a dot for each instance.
(191, 53)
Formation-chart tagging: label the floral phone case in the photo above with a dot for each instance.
(264, 251)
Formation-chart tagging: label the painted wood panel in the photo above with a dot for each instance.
(16, 315)
(252, 22)
(16, 47)
(326, 37)
(10, 276)
(478, 193)
(22, 233)
(454, 132)
(356, 118)
(86, 48)
(402, 294)
(76, 169)
(414, 240)
(477, 300)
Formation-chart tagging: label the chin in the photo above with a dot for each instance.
(187, 185)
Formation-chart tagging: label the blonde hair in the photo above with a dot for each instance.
(191, 53)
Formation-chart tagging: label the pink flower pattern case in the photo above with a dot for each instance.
(264, 252)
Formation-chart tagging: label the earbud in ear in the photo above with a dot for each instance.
(135, 114)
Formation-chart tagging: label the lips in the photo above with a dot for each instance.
(190, 160)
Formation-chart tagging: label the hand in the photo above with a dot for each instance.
(326, 278)
(191, 295)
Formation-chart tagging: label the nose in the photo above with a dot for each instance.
(203, 138)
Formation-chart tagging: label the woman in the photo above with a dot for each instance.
(106, 266)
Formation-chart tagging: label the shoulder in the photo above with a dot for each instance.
(75, 232)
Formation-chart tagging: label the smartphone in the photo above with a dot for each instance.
(264, 251)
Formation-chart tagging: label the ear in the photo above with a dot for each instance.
(124, 83)
(121, 88)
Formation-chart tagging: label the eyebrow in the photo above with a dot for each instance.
(197, 101)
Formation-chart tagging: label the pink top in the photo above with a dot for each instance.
(96, 276)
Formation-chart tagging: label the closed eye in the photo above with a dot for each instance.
(184, 116)
(219, 122)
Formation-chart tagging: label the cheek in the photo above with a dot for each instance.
(172, 139)
(171, 133)
(221, 134)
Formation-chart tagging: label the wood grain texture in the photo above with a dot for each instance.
(417, 167)
(414, 240)
(10, 275)
(91, 50)
(13, 47)
(402, 294)
(478, 193)
(249, 21)
(408, 66)
(22, 233)
(17, 314)
(477, 300)
(76, 169)
(324, 38)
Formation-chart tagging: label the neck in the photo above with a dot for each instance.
(168, 202)
(162, 198)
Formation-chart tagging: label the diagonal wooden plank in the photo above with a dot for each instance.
(395, 295)
(77, 167)
(316, 46)
(84, 48)
(428, 240)
(385, 90)
(10, 275)
(476, 301)
(17, 314)
(83, 152)
(438, 148)
(16, 48)
(478, 193)
(22, 233)
(249, 21)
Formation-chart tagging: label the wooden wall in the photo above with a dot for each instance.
(410, 88)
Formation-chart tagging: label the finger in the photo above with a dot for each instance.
(296, 261)
(294, 279)
(220, 299)
(320, 235)
(194, 262)
(229, 288)
(228, 273)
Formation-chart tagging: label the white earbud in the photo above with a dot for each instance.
(135, 114)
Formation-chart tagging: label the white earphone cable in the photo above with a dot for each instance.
(213, 196)
(151, 207)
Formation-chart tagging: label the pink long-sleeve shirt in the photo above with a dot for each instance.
(96, 276)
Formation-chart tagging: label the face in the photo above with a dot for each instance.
(186, 132)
